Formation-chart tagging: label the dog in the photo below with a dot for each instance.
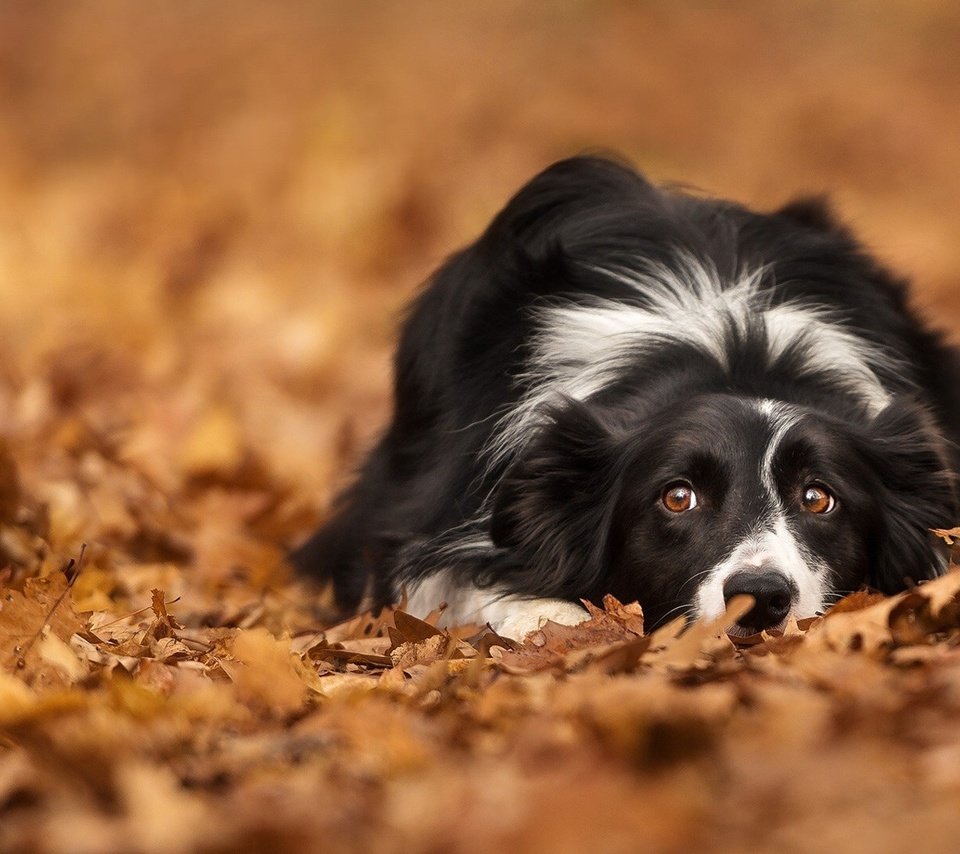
(626, 389)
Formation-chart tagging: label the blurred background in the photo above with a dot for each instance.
(213, 212)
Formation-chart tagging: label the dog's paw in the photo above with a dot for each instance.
(528, 616)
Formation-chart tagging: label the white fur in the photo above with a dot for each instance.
(528, 615)
(580, 349)
(831, 349)
(510, 616)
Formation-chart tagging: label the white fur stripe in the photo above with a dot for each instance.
(782, 416)
(580, 349)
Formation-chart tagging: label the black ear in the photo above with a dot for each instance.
(813, 212)
(916, 493)
(554, 507)
(561, 198)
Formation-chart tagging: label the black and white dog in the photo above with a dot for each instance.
(623, 389)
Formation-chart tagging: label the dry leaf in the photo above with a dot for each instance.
(950, 536)
(23, 619)
(206, 237)
(265, 671)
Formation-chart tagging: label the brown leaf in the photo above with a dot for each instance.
(855, 602)
(554, 646)
(341, 654)
(411, 628)
(432, 648)
(264, 671)
(486, 639)
(44, 605)
(950, 535)
(164, 625)
(630, 616)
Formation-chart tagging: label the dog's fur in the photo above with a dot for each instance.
(605, 339)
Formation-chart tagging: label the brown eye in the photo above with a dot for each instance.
(816, 499)
(679, 497)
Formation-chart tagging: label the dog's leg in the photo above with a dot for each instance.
(508, 614)
(528, 615)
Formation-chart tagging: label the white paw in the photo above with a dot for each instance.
(529, 615)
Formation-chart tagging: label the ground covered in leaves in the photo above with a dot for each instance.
(212, 214)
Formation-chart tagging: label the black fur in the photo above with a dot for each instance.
(574, 511)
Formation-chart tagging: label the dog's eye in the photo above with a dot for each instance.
(816, 499)
(679, 497)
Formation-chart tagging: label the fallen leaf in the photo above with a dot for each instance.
(264, 671)
(44, 603)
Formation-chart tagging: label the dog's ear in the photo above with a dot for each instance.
(560, 199)
(813, 212)
(916, 492)
(554, 506)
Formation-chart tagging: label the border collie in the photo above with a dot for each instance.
(626, 389)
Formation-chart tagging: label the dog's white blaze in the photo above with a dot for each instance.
(782, 416)
(775, 548)
(510, 615)
(581, 348)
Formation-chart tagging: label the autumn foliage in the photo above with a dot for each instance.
(212, 215)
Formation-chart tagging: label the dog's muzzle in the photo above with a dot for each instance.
(773, 597)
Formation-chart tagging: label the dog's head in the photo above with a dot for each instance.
(707, 497)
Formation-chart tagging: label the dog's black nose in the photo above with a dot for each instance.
(772, 594)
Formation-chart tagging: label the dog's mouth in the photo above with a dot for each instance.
(735, 630)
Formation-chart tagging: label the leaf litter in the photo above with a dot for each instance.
(210, 361)
(151, 731)
(171, 686)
